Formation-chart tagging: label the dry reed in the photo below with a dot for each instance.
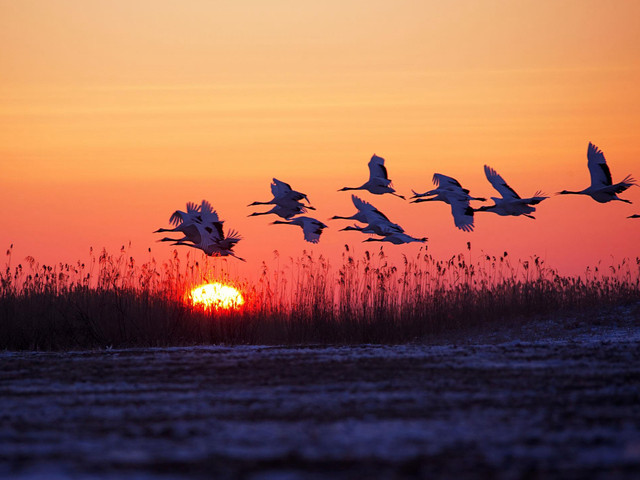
(112, 301)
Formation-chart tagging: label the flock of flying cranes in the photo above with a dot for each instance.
(202, 228)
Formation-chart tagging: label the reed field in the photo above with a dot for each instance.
(112, 301)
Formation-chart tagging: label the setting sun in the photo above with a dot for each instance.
(216, 295)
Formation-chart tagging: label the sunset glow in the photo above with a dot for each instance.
(216, 296)
(246, 237)
(100, 144)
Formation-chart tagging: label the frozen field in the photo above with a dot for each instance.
(564, 407)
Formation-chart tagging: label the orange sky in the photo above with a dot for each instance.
(114, 114)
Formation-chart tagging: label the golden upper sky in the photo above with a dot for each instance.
(114, 114)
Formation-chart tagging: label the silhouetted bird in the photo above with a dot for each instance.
(450, 191)
(285, 210)
(445, 183)
(283, 194)
(381, 229)
(378, 182)
(602, 188)
(397, 239)
(510, 203)
(370, 215)
(187, 222)
(202, 229)
(311, 228)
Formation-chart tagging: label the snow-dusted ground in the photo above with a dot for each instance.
(565, 407)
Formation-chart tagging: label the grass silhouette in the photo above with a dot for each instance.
(112, 301)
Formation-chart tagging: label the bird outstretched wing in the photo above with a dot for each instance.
(499, 184)
(280, 188)
(192, 208)
(209, 215)
(210, 232)
(179, 216)
(312, 229)
(440, 180)
(361, 204)
(377, 169)
(383, 228)
(372, 213)
(598, 168)
(192, 233)
(462, 213)
(206, 207)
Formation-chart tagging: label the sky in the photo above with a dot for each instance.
(115, 114)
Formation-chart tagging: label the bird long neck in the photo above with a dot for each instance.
(187, 244)
(484, 208)
(343, 189)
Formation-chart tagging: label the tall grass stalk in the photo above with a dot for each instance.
(114, 301)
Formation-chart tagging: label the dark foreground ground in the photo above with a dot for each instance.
(563, 406)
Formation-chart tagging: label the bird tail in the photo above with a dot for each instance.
(233, 235)
(537, 198)
(629, 180)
